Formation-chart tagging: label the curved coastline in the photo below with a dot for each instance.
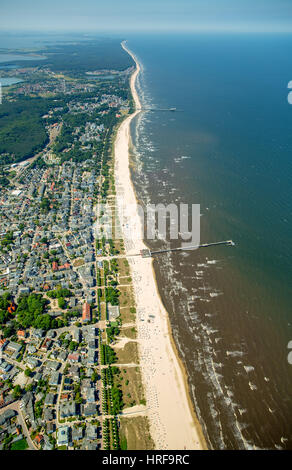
(173, 423)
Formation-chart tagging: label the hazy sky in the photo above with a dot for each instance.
(146, 15)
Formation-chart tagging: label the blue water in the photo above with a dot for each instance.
(14, 57)
(7, 81)
(234, 126)
(8, 67)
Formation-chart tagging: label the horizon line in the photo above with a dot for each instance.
(146, 31)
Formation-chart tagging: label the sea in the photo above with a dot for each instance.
(8, 81)
(227, 147)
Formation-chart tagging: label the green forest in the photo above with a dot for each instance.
(30, 312)
(76, 59)
(22, 129)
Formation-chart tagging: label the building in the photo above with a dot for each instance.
(32, 362)
(86, 312)
(113, 312)
(73, 357)
(48, 414)
(91, 432)
(90, 409)
(90, 395)
(53, 365)
(74, 372)
(63, 436)
(12, 346)
(51, 427)
(68, 410)
(77, 434)
(7, 415)
(50, 399)
(5, 367)
(39, 439)
(37, 333)
(55, 379)
(47, 444)
(21, 334)
(55, 266)
(46, 344)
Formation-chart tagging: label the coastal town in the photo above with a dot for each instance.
(87, 358)
(69, 366)
(145, 227)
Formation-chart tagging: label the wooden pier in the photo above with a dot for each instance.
(148, 253)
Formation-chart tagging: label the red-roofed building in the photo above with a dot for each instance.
(86, 312)
(39, 438)
(21, 334)
(64, 266)
(55, 266)
(2, 401)
(73, 357)
(46, 344)
(65, 396)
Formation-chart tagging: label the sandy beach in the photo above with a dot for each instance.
(173, 424)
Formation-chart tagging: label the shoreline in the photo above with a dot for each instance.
(172, 419)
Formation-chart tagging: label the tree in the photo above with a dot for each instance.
(17, 391)
(8, 331)
(73, 345)
(61, 303)
(94, 376)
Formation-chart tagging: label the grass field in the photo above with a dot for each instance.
(131, 385)
(129, 332)
(128, 314)
(128, 354)
(19, 445)
(124, 269)
(134, 434)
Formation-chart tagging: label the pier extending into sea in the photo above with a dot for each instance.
(148, 253)
(157, 109)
